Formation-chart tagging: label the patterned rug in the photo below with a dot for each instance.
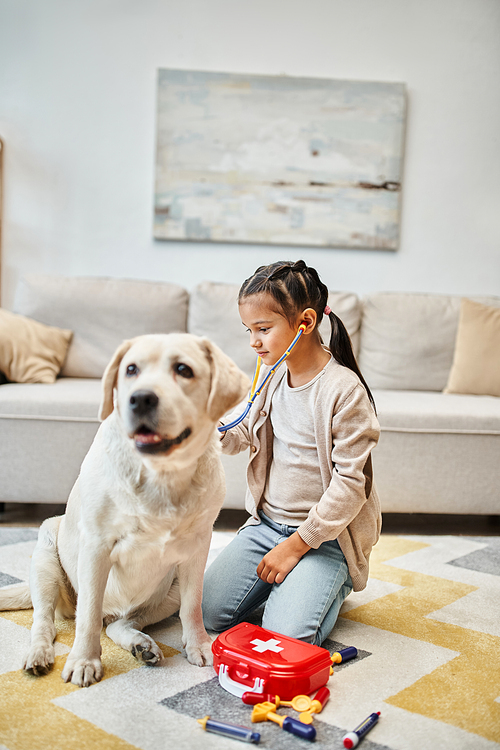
(427, 629)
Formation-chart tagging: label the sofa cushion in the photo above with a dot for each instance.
(101, 312)
(476, 362)
(408, 340)
(68, 399)
(437, 453)
(213, 312)
(431, 412)
(45, 433)
(31, 352)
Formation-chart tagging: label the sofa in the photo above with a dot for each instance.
(439, 450)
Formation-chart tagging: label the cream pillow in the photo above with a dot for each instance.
(31, 352)
(476, 362)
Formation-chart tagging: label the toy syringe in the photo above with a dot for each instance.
(235, 731)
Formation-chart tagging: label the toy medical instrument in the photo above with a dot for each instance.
(229, 730)
(251, 659)
(254, 393)
(345, 654)
(301, 703)
(351, 739)
(267, 712)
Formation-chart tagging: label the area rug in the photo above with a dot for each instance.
(427, 630)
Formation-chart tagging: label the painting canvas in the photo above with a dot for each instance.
(278, 160)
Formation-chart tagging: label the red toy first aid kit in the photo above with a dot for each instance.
(248, 658)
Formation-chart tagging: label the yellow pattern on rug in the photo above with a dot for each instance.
(30, 720)
(462, 692)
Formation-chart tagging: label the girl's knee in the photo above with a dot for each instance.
(288, 627)
(214, 620)
(216, 616)
(313, 632)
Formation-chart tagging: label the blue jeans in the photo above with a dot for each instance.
(305, 605)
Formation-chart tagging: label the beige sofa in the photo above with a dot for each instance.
(438, 452)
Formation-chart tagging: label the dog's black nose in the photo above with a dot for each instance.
(143, 402)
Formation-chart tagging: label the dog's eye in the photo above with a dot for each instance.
(132, 370)
(183, 370)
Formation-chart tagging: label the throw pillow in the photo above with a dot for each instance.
(476, 362)
(31, 352)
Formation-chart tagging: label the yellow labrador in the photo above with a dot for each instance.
(134, 540)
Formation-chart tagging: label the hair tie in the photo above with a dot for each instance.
(328, 310)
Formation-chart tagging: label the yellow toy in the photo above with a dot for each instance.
(305, 705)
(267, 712)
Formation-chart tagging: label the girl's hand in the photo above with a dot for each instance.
(276, 565)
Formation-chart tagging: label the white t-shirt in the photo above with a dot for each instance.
(294, 481)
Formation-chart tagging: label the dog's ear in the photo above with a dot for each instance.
(109, 380)
(228, 386)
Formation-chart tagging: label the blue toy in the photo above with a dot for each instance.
(253, 392)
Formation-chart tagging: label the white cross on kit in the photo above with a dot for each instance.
(270, 645)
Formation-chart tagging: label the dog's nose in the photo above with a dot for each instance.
(143, 402)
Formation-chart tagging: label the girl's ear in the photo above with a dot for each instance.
(308, 318)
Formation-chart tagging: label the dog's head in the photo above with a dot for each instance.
(169, 391)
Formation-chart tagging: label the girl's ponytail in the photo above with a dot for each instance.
(341, 349)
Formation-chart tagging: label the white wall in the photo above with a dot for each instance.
(77, 115)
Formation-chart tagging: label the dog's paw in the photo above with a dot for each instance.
(147, 651)
(200, 654)
(82, 672)
(39, 660)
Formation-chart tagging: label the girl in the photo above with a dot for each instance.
(315, 513)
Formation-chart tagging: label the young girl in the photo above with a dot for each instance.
(315, 513)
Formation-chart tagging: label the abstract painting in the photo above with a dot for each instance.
(278, 160)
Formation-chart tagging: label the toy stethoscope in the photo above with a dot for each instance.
(254, 393)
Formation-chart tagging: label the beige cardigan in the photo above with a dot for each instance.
(346, 430)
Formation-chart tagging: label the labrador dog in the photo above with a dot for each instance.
(132, 546)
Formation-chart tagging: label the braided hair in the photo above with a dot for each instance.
(294, 287)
